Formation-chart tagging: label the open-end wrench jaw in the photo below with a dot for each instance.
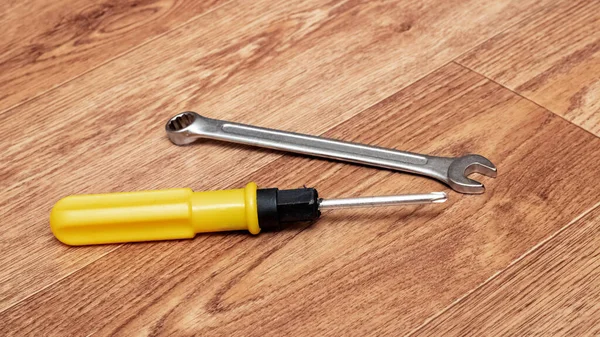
(460, 168)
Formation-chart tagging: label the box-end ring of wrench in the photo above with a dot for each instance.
(186, 127)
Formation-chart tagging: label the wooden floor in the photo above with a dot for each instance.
(87, 86)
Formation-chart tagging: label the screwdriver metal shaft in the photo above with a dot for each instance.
(379, 201)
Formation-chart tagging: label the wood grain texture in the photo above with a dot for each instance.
(380, 271)
(46, 43)
(552, 291)
(299, 65)
(552, 58)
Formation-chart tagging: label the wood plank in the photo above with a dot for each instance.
(357, 271)
(284, 64)
(47, 43)
(553, 58)
(551, 292)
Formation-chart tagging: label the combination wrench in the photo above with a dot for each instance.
(186, 127)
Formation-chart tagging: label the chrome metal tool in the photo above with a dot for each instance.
(186, 127)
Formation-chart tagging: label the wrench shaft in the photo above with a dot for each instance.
(324, 147)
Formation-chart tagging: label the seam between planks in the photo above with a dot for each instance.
(528, 99)
(506, 269)
(101, 64)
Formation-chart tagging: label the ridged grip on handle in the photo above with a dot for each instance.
(152, 215)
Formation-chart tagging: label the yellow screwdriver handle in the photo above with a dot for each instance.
(153, 215)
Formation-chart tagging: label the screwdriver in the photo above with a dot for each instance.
(182, 213)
